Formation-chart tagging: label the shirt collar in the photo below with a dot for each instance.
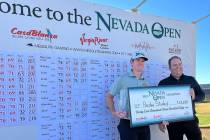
(132, 75)
(172, 77)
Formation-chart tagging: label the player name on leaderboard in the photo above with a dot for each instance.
(57, 94)
(61, 95)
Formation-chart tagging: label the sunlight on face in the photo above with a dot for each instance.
(176, 68)
(138, 64)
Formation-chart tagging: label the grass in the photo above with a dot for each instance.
(203, 113)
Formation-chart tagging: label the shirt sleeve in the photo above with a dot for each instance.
(160, 83)
(116, 86)
(199, 93)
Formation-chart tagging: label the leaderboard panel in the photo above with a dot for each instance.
(59, 95)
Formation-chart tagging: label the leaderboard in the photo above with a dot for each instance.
(63, 96)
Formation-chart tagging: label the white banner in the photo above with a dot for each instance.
(57, 60)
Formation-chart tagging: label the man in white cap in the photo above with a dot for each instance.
(119, 88)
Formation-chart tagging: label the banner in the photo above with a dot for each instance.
(58, 59)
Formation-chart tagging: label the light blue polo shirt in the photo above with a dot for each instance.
(120, 89)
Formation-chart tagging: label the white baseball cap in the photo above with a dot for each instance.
(136, 55)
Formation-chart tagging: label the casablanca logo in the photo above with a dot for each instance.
(157, 30)
(33, 34)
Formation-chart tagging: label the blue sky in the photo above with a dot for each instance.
(184, 10)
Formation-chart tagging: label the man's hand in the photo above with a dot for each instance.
(162, 126)
(119, 114)
(110, 105)
(192, 93)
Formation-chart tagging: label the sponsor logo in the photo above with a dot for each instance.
(157, 95)
(142, 46)
(156, 116)
(96, 41)
(175, 49)
(47, 46)
(159, 31)
(140, 118)
(110, 23)
(33, 34)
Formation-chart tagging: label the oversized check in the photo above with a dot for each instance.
(150, 105)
